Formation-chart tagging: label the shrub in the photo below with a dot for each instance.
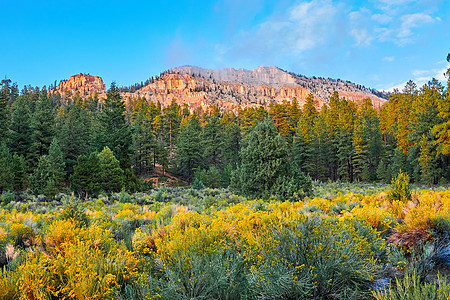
(411, 288)
(72, 209)
(400, 189)
(124, 197)
(197, 184)
(219, 274)
(7, 198)
(316, 257)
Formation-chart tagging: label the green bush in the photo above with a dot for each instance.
(400, 189)
(216, 275)
(73, 209)
(7, 198)
(318, 258)
(411, 288)
(124, 197)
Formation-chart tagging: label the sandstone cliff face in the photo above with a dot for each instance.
(228, 89)
(84, 84)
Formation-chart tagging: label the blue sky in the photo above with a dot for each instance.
(378, 43)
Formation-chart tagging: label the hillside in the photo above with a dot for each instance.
(228, 88)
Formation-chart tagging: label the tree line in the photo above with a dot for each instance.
(49, 143)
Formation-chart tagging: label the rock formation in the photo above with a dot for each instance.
(231, 88)
(228, 88)
(84, 85)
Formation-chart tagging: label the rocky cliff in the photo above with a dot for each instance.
(84, 85)
(228, 88)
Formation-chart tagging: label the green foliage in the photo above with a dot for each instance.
(111, 174)
(124, 197)
(131, 183)
(6, 175)
(74, 130)
(190, 149)
(217, 275)
(411, 287)
(49, 175)
(42, 126)
(20, 129)
(309, 262)
(87, 175)
(115, 133)
(383, 174)
(7, 198)
(214, 141)
(197, 184)
(265, 166)
(210, 177)
(4, 110)
(400, 189)
(145, 142)
(73, 210)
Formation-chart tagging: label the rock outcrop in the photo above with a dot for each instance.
(84, 85)
(228, 89)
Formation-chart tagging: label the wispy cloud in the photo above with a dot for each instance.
(408, 22)
(360, 27)
(304, 26)
(320, 24)
(421, 77)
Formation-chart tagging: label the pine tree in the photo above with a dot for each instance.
(360, 168)
(4, 110)
(6, 165)
(430, 173)
(190, 149)
(19, 172)
(265, 164)
(145, 142)
(115, 133)
(111, 174)
(48, 176)
(42, 126)
(424, 116)
(383, 172)
(20, 129)
(56, 159)
(441, 131)
(213, 140)
(87, 176)
(232, 143)
(171, 122)
(74, 127)
(279, 114)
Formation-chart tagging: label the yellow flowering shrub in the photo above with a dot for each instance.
(208, 246)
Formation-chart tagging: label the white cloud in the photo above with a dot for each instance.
(388, 58)
(359, 29)
(322, 28)
(412, 21)
(308, 25)
(302, 27)
(381, 18)
(393, 6)
(422, 77)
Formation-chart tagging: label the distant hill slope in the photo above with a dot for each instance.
(230, 88)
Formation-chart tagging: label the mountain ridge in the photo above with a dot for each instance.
(228, 88)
